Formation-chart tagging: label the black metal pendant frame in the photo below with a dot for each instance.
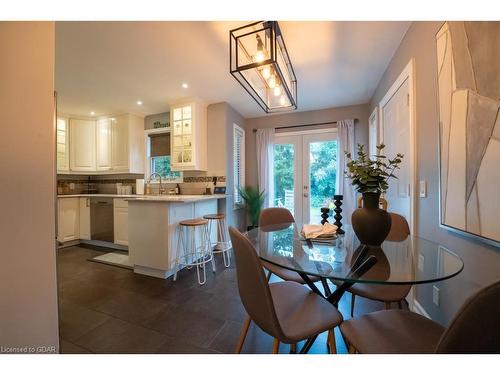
(272, 29)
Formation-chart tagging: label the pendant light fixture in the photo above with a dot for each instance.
(260, 63)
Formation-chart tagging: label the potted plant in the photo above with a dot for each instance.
(254, 200)
(370, 223)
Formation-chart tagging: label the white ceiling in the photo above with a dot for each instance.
(106, 67)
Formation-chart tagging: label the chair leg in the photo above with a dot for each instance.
(353, 297)
(387, 305)
(352, 349)
(400, 305)
(276, 346)
(293, 348)
(243, 335)
(331, 341)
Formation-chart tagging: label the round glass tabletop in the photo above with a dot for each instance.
(409, 260)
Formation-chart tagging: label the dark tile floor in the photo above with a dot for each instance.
(106, 309)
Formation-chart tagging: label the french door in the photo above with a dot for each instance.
(305, 170)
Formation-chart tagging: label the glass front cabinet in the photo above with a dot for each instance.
(188, 120)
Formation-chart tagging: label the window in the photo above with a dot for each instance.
(239, 163)
(158, 156)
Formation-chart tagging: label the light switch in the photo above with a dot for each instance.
(423, 189)
(435, 295)
(421, 262)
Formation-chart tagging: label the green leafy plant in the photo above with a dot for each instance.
(254, 200)
(370, 176)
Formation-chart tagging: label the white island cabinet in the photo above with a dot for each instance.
(152, 225)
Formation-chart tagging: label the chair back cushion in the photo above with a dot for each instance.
(476, 327)
(252, 285)
(275, 218)
(400, 230)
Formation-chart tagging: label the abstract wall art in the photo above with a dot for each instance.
(468, 65)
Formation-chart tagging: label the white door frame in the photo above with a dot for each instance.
(408, 73)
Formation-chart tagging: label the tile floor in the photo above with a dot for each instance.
(106, 309)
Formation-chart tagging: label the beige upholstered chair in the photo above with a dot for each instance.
(286, 310)
(273, 217)
(400, 230)
(473, 330)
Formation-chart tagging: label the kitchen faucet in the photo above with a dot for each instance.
(162, 190)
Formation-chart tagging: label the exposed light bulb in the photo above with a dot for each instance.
(277, 91)
(282, 100)
(272, 82)
(266, 72)
(259, 56)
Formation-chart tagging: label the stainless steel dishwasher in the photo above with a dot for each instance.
(101, 219)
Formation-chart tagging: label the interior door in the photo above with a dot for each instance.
(395, 126)
(305, 173)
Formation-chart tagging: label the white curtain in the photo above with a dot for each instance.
(345, 129)
(265, 161)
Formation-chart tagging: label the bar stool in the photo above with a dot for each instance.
(223, 243)
(192, 253)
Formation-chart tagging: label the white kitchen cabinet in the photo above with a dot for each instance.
(120, 220)
(103, 144)
(84, 218)
(62, 143)
(68, 219)
(188, 142)
(82, 145)
(127, 144)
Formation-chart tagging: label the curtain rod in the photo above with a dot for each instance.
(301, 125)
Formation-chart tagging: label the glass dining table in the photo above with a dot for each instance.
(345, 261)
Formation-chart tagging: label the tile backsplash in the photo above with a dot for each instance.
(106, 184)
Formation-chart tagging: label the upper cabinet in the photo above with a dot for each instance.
(108, 145)
(103, 144)
(127, 144)
(62, 142)
(82, 145)
(188, 120)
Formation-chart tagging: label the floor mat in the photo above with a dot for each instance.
(115, 258)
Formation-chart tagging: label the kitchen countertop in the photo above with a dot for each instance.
(150, 198)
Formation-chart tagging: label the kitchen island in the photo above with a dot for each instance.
(152, 229)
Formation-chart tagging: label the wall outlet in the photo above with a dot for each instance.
(423, 189)
(435, 295)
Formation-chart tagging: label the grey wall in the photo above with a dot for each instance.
(28, 289)
(359, 112)
(482, 262)
(151, 119)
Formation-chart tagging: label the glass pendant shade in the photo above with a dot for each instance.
(260, 63)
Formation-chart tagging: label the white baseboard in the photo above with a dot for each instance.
(417, 308)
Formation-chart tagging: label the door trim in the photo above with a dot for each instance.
(408, 73)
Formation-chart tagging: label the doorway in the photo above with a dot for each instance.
(305, 171)
(397, 133)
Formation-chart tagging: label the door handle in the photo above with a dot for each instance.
(305, 195)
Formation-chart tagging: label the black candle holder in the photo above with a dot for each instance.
(324, 214)
(338, 210)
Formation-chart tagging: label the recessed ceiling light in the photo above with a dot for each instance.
(92, 113)
(139, 102)
(185, 85)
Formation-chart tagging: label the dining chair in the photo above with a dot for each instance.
(400, 230)
(286, 310)
(474, 329)
(271, 218)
